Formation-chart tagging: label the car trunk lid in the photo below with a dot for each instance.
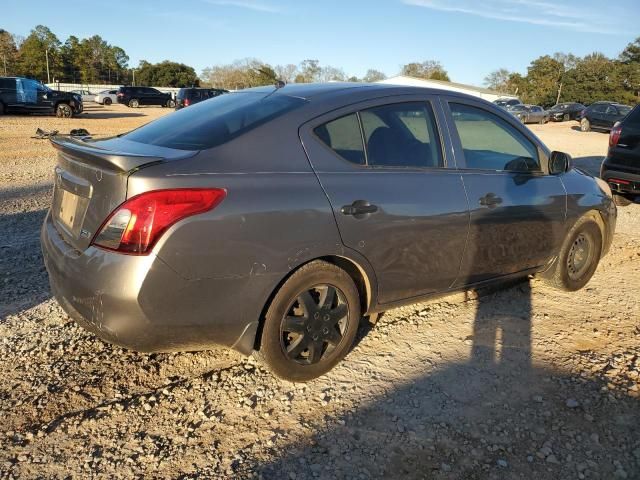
(91, 181)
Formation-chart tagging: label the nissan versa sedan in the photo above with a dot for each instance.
(271, 220)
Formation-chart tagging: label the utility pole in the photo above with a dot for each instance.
(559, 93)
(46, 54)
(134, 76)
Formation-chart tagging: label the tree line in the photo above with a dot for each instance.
(42, 56)
(561, 77)
(252, 72)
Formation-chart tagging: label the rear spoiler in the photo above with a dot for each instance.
(115, 154)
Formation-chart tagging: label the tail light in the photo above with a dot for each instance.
(136, 225)
(119, 94)
(187, 102)
(614, 136)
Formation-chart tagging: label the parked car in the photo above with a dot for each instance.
(23, 95)
(136, 96)
(273, 219)
(507, 102)
(563, 112)
(529, 113)
(191, 96)
(86, 95)
(106, 97)
(621, 167)
(602, 115)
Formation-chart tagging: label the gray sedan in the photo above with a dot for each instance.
(530, 113)
(271, 220)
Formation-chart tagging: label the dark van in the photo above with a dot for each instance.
(190, 96)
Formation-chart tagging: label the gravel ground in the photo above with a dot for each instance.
(525, 382)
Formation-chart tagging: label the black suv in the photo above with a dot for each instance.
(190, 96)
(135, 96)
(565, 111)
(621, 168)
(602, 115)
(24, 95)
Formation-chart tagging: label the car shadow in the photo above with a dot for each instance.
(593, 129)
(90, 115)
(493, 416)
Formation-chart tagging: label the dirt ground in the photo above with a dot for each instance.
(527, 382)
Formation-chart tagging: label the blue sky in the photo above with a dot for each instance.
(470, 37)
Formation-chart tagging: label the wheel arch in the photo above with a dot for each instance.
(361, 276)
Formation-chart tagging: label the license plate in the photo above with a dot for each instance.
(68, 209)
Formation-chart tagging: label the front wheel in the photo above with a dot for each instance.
(579, 256)
(107, 101)
(64, 111)
(311, 323)
(585, 125)
(134, 103)
(565, 117)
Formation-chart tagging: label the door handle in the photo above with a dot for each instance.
(490, 200)
(359, 209)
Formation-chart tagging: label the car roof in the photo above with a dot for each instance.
(326, 91)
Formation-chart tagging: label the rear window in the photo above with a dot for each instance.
(212, 123)
(623, 109)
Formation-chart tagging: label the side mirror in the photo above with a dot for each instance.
(559, 163)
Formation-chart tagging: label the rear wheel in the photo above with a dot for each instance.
(311, 323)
(107, 101)
(64, 111)
(171, 103)
(543, 120)
(134, 103)
(621, 200)
(585, 125)
(579, 256)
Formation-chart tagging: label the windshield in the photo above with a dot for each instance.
(215, 121)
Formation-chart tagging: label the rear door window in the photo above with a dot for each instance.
(401, 135)
(491, 143)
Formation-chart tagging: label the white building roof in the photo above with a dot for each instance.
(485, 93)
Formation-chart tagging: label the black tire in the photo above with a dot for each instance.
(543, 121)
(64, 111)
(323, 324)
(585, 125)
(134, 103)
(566, 117)
(621, 200)
(107, 101)
(523, 119)
(171, 103)
(579, 256)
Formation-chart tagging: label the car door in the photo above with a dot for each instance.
(9, 93)
(517, 210)
(395, 192)
(598, 115)
(611, 116)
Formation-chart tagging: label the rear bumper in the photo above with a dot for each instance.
(621, 180)
(141, 303)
